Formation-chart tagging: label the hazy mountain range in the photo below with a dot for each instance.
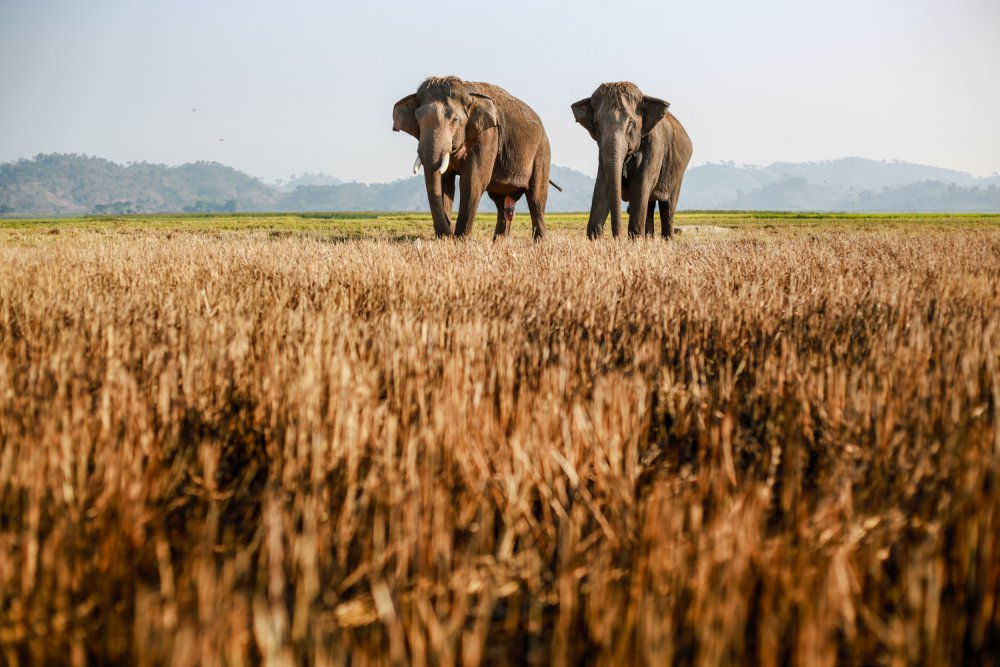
(848, 184)
(60, 184)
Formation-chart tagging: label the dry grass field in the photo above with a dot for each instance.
(775, 445)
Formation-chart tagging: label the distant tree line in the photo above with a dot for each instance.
(205, 206)
(70, 184)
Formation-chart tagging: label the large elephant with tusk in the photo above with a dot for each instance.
(643, 152)
(493, 140)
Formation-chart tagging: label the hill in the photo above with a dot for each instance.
(305, 179)
(847, 184)
(409, 194)
(69, 184)
(61, 184)
(78, 185)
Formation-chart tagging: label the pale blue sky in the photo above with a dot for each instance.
(309, 86)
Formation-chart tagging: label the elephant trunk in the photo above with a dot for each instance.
(613, 160)
(434, 152)
(441, 217)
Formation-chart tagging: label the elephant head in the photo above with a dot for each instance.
(618, 116)
(445, 115)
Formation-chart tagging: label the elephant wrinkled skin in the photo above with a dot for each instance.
(493, 140)
(643, 151)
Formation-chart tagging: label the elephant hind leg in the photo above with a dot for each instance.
(667, 209)
(538, 195)
(505, 214)
(536, 207)
(650, 226)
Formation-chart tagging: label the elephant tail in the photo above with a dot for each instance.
(555, 185)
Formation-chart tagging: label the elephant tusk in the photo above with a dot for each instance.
(416, 165)
(444, 163)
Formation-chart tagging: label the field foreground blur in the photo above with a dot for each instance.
(268, 447)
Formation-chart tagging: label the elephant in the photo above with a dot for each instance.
(643, 152)
(493, 140)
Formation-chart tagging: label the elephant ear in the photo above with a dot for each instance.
(653, 111)
(482, 116)
(583, 111)
(404, 116)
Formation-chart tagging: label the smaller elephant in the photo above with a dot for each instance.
(643, 153)
(492, 140)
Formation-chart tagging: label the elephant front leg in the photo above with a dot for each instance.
(639, 213)
(448, 193)
(472, 185)
(435, 197)
(471, 190)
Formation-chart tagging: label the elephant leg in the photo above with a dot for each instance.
(667, 209)
(435, 197)
(638, 209)
(538, 195)
(536, 207)
(600, 207)
(650, 226)
(476, 176)
(448, 193)
(471, 188)
(505, 214)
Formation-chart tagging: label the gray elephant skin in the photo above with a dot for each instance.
(643, 153)
(493, 140)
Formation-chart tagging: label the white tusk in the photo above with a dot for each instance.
(417, 165)
(444, 163)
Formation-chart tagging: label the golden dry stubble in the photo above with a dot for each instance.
(738, 448)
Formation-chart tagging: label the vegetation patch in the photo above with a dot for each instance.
(225, 439)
